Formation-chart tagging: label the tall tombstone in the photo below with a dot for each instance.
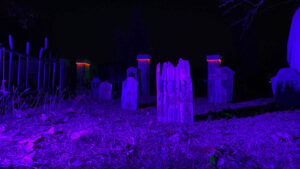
(174, 92)
(220, 81)
(105, 91)
(293, 51)
(129, 94)
(214, 62)
(82, 73)
(132, 71)
(144, 67)
(286, 83)
(95, 84)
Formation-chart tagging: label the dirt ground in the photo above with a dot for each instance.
(83, 133)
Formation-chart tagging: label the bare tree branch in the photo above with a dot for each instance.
(248, 9)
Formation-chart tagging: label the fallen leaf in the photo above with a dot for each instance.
(78, 134)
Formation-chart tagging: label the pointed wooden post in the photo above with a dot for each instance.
(44, 78)
(0, 56)
(49, 72)
(39, 71)
(19, 69)
(10, 59)
(53, 80)
(27, 62)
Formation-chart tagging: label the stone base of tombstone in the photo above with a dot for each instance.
(129, 94)
(105, 91)
(174, 92)
(286, 87)
(220, 85)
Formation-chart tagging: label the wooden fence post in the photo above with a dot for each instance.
(27, 62)
(44, 78)
(53, 80)
(39, 71)
(10, 59)
(19, 68)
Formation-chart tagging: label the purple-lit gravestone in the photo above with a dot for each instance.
(286, 87)
(144, 67)
(286, 84)
(132, 71)
(220, 81)
(293, 51)
(95, 83)
(82, 73)
(129, 94)
(105, 91)
(174, 92)
(227, 81)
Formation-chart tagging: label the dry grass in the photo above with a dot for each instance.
(82, 133)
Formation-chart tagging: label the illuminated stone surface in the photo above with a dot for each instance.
(95, 83)
(105, 91)
(132, 71)
(220, 81)
(174, 92)
(293, 49)
(286, 86)
(218, 93)
(129, 93)
(227, 81)
(144, 68)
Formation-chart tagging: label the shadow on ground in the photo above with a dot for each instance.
(243, 112)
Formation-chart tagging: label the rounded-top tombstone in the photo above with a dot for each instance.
(293, 50)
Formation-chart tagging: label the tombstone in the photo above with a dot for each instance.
(129, 94)
(131, 71)
(105, 91)
(286, 87)
(82, 73)
(174, 92)
(95, 83)
(220, 81)
(227, 81)
(293, 51)
(144, 67)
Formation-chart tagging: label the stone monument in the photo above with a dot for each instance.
(95, 83)
(144, 68)
(132, 71)
(129, 94)
(174, 92)
(286, 83)
(220, 81)
(105, 91)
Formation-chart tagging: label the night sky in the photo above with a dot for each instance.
(106, 32)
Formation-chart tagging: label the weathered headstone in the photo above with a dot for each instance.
(105, 91)
(144, 67)
(95, 83)
(227, 81)
(220, 81)
(293, 51)
(174, 92)
(286, 87)
(129, 94)
(132, 71)
(286, 84)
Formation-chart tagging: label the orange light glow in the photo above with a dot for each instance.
(214, 60)
(144, 60)
(82, 64)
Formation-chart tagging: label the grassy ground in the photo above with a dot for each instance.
(82, 133)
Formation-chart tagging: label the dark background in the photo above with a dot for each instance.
(111, 33)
